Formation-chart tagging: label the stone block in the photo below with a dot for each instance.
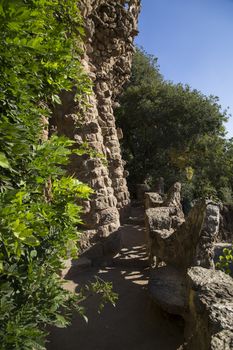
(100, 203)
(97, 183)
(108, 216)
(159, 219)
(167, 289)
(152, 200)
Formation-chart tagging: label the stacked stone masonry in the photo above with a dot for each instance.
(110, 26)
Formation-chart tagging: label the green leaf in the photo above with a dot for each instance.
(61, 322)
(31, 241)
(56, 99)
(33, 254)
(4, 161)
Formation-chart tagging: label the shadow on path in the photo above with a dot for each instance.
(134, 323)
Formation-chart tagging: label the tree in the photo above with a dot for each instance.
(168, 129)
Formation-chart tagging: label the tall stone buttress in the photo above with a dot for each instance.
(111, 26)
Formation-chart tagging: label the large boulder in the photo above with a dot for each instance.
(167, 289)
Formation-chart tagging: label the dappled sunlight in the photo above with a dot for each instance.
(138, 325)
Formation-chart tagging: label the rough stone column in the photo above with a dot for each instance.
(205, 248)
(110, 28)
(113, 26)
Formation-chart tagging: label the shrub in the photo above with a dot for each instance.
(40, 54)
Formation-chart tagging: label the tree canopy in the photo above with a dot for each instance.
(173, 131)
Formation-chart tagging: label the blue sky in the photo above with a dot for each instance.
(193, 40)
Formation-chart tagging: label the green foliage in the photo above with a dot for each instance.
(225, 262)
(40, 55)
(174, 132)
(104, 290)
(86, 149)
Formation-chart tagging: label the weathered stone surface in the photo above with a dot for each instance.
(209, 321)
(183, 243)
(226, 223)
(204, 297)
(222, 340)
(110, 28)
(173, 198)
(204, 255)
(167, 289)
(161, 223)
(153, 200)
(86, 240)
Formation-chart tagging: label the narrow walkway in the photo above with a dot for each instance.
(134, 324)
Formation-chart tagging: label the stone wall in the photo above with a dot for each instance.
(177, 241)
(110, 27)
(209, 320)
(187, 284)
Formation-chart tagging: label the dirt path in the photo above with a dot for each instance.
(134, 324)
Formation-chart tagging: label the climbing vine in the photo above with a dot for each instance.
(40, 55)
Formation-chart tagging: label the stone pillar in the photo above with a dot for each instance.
(112, 48)
(110, 29)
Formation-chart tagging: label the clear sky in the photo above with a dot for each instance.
(193, 40)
